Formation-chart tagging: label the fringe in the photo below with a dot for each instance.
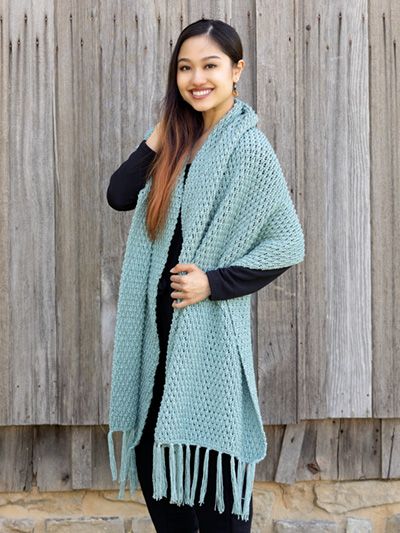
(205, 476)
(183, 489)
(159, 474)
(172, 475)
(195, 475)
(219, 493)
(128, 463)
(187, 474)
(111, 453)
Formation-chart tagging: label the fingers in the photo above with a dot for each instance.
(182, 303)
(183, 267)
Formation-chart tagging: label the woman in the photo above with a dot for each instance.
(213, 223)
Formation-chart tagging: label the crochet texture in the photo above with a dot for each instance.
(236, 210)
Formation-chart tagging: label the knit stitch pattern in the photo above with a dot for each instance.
(236, 209)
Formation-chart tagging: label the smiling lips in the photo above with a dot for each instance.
(201, 94)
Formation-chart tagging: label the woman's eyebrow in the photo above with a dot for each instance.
(203, 59)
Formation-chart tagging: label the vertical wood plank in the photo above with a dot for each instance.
(335, 365)
(81, 457)
(276, 313)
(52, 457)
(384, 25)
(307, 467)
(390, 448)
(6, 397)
(265, 470)
(326, 448)
(289, 457)
(32, 219)
(79, 222)
(101, 473)
(359, 450)
(16, 452)
(117, 140)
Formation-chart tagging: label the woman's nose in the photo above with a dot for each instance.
(198, 78)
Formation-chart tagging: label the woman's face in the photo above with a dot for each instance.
(197, 71)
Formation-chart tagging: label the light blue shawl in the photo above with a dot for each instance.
(236, 210)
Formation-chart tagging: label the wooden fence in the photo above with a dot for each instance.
(80, 83)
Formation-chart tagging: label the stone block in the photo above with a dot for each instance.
(263, 501)
(110, 524)
(142, 524)
(358, 525)
(345, 496)
(393, 524)
(305, 526)
(16, 525)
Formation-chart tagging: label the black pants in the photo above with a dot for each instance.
(168, 517)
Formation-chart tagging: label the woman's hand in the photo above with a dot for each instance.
(192, 287)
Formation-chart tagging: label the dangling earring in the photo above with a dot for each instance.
(235, 92)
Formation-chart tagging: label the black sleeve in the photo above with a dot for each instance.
(127, 181)
(234, 281)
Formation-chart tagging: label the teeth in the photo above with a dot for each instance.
(200, 93)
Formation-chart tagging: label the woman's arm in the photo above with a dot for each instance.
(234, 281)
(127, 181)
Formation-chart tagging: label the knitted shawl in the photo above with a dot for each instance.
(235, 210)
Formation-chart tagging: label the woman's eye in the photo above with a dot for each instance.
(208, 65)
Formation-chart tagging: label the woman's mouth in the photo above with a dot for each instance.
(198, 95)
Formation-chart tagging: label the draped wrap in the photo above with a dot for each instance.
(236, 209)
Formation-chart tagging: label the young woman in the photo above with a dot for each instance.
(213, 223)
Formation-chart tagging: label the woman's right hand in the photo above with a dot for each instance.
(154, 140)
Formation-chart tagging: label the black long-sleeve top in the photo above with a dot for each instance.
(229, 282)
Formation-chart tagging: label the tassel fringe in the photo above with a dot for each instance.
(183, 488)
(219, 490)
(195, 474)
(128, 463)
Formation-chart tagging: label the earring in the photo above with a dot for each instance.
(235, 92)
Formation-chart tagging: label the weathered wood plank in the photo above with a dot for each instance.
(16, 448)
(265, 470)
(6, 392)
(78, 228)
(307, 466)
(276, 313)
(335, 363)
(101, 473)
(117, 140)
(81, 457)
(384, 28)
(289, 456)
(32, 216)
(359, 451)
(52, 457)
(390, 448)
(326, 448)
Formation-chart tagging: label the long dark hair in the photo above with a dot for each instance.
(180, 125)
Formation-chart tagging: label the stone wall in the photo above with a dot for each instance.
(312, 507)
